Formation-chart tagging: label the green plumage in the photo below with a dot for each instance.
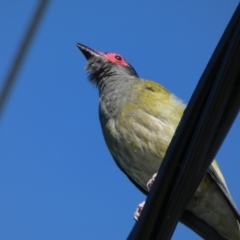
(138, 119)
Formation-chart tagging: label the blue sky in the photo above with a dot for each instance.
(57, 178)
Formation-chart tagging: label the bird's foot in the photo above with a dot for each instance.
(151, 181)
(139, 210)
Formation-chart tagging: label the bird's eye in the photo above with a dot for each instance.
(118, 58)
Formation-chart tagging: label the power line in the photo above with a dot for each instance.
(11, 76)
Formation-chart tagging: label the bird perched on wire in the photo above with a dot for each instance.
(138, 119)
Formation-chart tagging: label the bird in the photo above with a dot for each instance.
(138, 118)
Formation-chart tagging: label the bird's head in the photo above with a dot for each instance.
(102, 65)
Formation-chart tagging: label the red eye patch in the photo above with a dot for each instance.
(116, 58)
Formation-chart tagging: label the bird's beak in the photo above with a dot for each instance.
(87, 52)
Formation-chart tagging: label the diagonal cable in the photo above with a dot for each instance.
(11, 76)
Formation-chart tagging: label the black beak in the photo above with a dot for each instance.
(87, 52)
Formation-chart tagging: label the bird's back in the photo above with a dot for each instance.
(138, 138)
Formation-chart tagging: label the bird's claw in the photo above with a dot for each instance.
(151, 181)
(138, 211)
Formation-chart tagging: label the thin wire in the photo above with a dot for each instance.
(11, 76)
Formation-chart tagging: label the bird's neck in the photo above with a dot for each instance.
(114, 92)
